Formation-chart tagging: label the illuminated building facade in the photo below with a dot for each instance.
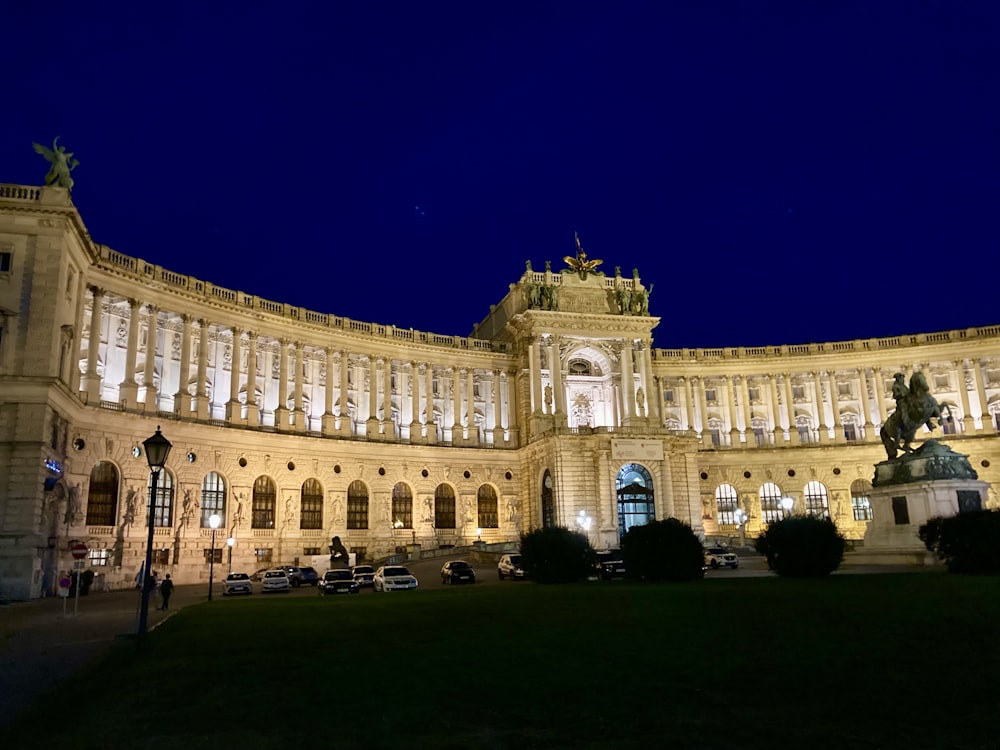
(296, 426)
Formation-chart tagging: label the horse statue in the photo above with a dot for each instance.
(915, 406)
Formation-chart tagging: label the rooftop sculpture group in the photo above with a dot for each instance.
(62, 164)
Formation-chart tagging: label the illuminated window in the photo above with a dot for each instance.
(402, 506)
(262, 508)
(102, 498)
(311, 505)
(163, 511)
(770, 503)
(264, 554)
(161, 556)
(99, 557)
(816, 500)
(487, 506)
(357, 505)
(636, 507)
(213, 498)
(726, 502)
(860, 499)
(444, 507)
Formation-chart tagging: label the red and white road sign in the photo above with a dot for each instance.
(79, 550)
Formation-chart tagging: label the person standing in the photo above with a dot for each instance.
(166, 589)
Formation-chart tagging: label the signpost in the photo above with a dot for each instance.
(64, 584)
(79, 550)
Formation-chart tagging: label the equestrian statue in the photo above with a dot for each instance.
(915, 406)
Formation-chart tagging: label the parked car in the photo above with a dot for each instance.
(339, 581)
(364, 574)
(393, 578)
(610, 565)
(275, 580)
(509, 566)
(720, 557)
(298, 576)
(237, 583)
(310, 576)
(457, 571)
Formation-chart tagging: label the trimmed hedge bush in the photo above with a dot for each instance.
(802, 547)
(557, 555)
(966, 543)
(666, 550)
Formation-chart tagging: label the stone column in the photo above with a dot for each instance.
(688, 404)
(329, 418)
(793, 430)
(701, 384)
(128, 388)
(824, 431)
(866, 406)
(456, 403)
(182, 399)
(93, 380)
(968, 421)
(74, 373)
(234, 410)
(986, 424)
(300, 369)
(728, 401)
(388, 425)
(879, 387)
(535, 373)
(372, 423)
(430, 429)
(203, 411)
(344, 422)
(628, 384)
(149, 375)
(253, 408)
(838, 428)
(498, 433)
(470, 403)
(555, 372)
(281, 416)
(414, 399)
(776, 431)
(748, 435)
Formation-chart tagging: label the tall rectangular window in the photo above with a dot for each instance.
(357, 512)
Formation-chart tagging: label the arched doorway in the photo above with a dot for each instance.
(635, 497)
(548, 501)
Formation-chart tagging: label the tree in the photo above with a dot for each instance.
(966, 543)
(802, 547)
(666, 550)
(555, 554)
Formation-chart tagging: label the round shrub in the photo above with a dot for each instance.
(557, 555)
(666, 550)
(966, 543)
(802, 547)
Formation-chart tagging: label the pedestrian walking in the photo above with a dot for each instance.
(166, 589)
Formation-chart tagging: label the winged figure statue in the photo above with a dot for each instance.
(579, 263)
(62, 164)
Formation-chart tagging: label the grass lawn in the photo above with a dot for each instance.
(865, 662)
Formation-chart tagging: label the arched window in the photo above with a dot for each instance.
(488, 517)
(726, 502)
(402, 506)
(311, 505)
(264, 494)
(770, 502)
(635, 497)
(357, 505)
(102, 499)
(816, 500)
(163, 510)
(213, 498)
(861, 504)
(548, 501)
(444, 507)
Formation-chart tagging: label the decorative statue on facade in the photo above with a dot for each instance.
(580, 264)
(915, 406)
(62, 164)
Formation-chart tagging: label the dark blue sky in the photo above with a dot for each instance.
(782, 172)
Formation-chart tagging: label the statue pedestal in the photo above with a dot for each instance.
(908, 490)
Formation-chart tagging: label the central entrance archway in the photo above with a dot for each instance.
(635, 498)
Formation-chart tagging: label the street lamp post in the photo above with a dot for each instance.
(231, 542)
(787, 504)
(213, 521)
(157, 450)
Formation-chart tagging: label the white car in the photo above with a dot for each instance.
(393, 578)
(275, 580)
(720, 557)
(237, 583)
(509, 566)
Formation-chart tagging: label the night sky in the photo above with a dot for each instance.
(782, 172)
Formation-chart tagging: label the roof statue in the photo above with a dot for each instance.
(62, 164)
(579, 263)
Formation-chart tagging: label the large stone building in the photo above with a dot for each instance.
(296, 426)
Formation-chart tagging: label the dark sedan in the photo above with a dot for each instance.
(457, 571)
(338, 582)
